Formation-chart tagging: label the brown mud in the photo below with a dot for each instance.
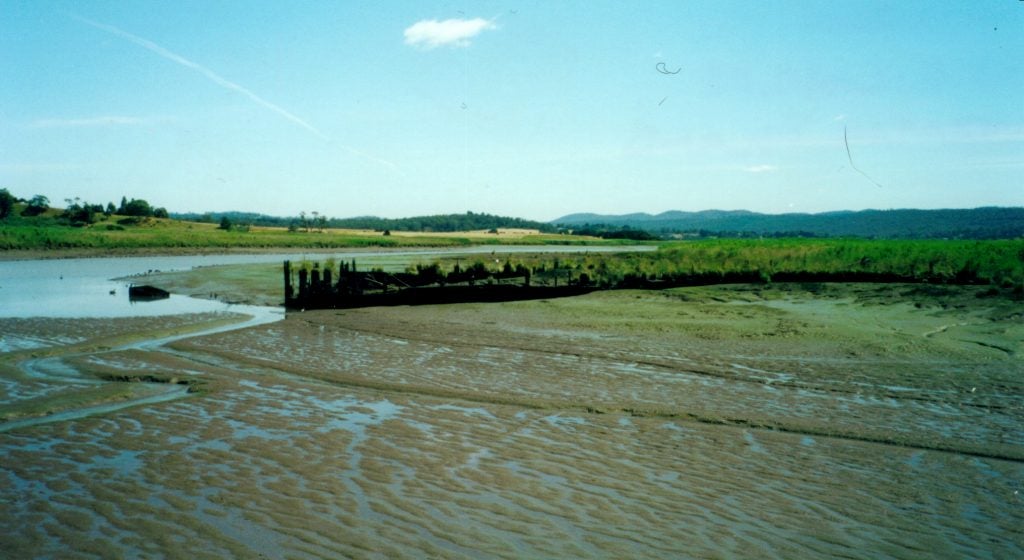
(66, 383)
(781, 421)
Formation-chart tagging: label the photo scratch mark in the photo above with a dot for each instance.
(846, 142)
(660, 67)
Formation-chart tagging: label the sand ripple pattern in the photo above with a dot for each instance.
(433, 433)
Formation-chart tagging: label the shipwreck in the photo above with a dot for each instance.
(311, 287)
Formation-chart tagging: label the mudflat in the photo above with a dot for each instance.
(731, 421)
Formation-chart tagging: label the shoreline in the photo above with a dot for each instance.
(86, 253)
(93, 253)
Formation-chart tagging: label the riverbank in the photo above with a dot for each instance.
(124, 252)
(44, 236)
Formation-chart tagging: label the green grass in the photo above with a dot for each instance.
(170, 234)
(115, 233)
(996, 262)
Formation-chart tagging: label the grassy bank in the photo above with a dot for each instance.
(999, 262)
(120, 235)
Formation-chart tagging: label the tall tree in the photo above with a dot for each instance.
(137, 207)
(6, 203)
(36, 206)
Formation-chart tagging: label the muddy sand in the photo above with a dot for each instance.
(856, 421)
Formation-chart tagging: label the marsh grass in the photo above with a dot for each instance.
(999, 262)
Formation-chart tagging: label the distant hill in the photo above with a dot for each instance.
(444, 223)
(977, 223)
(470, 221)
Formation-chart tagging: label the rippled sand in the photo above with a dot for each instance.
(712, 422)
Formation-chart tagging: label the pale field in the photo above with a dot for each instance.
(505, 234)
(723, 422)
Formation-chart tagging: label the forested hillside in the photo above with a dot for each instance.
(470, 221)
(978, 223)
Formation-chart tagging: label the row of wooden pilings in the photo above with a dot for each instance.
(312, 282)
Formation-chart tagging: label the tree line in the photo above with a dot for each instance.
(76, 211)
(307, 222)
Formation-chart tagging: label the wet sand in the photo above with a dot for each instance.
(756, 422)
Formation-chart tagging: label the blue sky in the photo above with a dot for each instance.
(530, 109)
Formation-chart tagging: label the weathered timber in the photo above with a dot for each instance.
(429, 285)
(317, 290)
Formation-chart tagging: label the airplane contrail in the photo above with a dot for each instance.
(223, 82)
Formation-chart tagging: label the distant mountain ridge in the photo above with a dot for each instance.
(976, 223)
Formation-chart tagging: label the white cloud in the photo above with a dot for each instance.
(431, 33)
(106, 120)
(761, 169)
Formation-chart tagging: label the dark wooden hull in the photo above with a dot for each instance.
(436, 295)
(146, 293)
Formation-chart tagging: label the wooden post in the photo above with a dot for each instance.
(287, 281)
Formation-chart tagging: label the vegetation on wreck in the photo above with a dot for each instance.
(308, 286)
